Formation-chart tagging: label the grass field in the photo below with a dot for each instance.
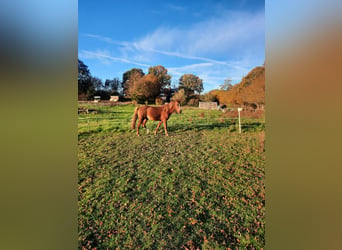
(201, 187)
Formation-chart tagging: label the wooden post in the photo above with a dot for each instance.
(239, 109)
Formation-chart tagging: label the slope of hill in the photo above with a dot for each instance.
(249, 93)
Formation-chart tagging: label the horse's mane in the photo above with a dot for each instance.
(169, 106)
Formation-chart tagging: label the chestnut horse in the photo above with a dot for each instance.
(161, 114)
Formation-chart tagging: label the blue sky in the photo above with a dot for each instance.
(214, 40)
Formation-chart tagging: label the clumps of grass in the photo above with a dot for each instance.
(197, 189)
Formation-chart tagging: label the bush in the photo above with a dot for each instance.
(193, 102)
(179, 96)
(159, 101)
(209, 97)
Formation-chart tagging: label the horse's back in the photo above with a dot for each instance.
(154, 113)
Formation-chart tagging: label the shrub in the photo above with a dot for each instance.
(209, 97)
(159, 101)
(193, 102)
(179, 96)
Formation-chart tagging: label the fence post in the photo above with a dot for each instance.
(239, 109)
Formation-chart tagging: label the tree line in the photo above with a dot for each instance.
(136, 85)
(249, 93)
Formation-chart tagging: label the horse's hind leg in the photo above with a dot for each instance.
(144, 123)
(139, 123)
(159, 123)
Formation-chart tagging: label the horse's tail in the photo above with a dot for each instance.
(135, 117)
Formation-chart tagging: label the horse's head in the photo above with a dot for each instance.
(177, 107)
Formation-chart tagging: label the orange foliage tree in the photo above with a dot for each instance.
(142, 88)
(249, 93)
(132, 89)
(127, 79)
(162, 77)
(191, 84)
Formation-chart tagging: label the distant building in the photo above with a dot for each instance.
(207, 105)
(97, 98)
(114, 98)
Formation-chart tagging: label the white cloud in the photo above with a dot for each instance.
(143, 51)
(230, 32)
(104, 56)
(211, 74)
(189, 69)
(108, 40)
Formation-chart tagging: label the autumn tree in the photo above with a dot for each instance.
(209, 97)
(191, 84)
(250, 92)
(142, 87)
(148, 87)
(131, 89)
(163, 78)
(127, 80)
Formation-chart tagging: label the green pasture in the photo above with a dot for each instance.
(201, 187)
(118, 119)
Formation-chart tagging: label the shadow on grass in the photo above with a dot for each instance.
(232, 126)
(100, 129)
(253, 127)
(174, 128)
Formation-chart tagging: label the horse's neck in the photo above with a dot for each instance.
(172, 109)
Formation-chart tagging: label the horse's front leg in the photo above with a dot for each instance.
(159, 123)
(165, 128)
(144, 126)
